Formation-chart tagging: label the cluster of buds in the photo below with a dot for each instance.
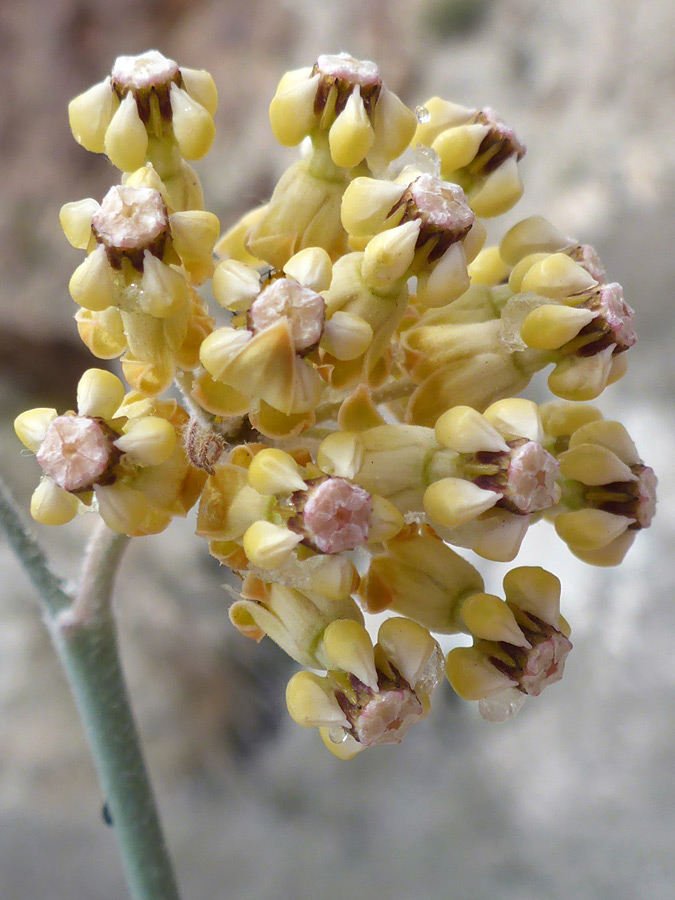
(357, 412)
(136, 286)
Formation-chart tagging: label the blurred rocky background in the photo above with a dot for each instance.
(575, 797)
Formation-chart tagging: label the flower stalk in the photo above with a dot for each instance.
(82, 629)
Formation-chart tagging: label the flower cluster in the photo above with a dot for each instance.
(356, 417)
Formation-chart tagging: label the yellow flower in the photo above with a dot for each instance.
(346, 99)
(520, 645)
(125, 462)
(504, 477)
(150, 109)
(369, 695)
(476, 150)
(608, 494)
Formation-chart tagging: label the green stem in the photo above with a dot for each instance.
(31, 555)
(83, 631)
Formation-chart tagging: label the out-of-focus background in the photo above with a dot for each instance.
(576, 797)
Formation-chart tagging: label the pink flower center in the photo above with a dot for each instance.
(586, 256)
(302, 307)
(346, 68)
(441, 204)
(532, 478)
(75, 453)
(129, 221)
(646, 490)
(337, 515)
(150, 69)
(386, 718)
(545, 663)
(618, 316)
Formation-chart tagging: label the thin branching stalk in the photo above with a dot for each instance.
(394, 390)
(82, 628)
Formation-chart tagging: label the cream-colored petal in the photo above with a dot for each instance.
(192, 124)
(466, 431)
(90, 114)
(31, 426)
(150, 440)
(268, 545)
(366, 203)
(590, 529)
(534, 590)
(76, 219)
(532, 235)
(51, 505)
(92, 284)
(126, 140)
(549, 327)
(558, 277)
(348, 647)
(351, 136)
(310, 702)
(611, 435)
(582, 378)
(501, 190)
(472, 676)
(489, 618)
(516, 417)
(311, 267)
(121, 508)
(593, 465)
(99, 394)
(201, 87)
(451, 502)
(292, 115)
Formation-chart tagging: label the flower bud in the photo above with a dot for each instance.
(193, 125)
(90, 114)
(126, 140)
(351, 136)
(268, 545)
(99, 393)
(389, 255)
(532, 235)
(275, 472)
(235, 285)
(311, 267)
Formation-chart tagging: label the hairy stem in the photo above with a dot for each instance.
(99, 568)
(31, 555)
(83, 632)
